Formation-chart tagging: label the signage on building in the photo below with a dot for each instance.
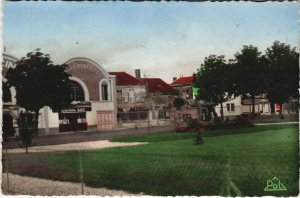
(8, 63)
(79, 108)
(248, 101)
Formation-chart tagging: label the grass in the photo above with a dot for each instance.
(172, 165)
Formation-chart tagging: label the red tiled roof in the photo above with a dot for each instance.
(157, 85)
(183, 81)
(124, 79)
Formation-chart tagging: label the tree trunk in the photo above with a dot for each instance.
(26, 148)
(272, 105)
(222, 112)
(211, 110)
(280, 112)
(253, 106)
(36, 121)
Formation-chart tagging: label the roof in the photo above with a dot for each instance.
(124, 79)
(157, 85)
(183, 81)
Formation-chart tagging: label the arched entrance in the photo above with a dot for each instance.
(74, 118)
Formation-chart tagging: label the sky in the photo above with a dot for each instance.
(163, 39)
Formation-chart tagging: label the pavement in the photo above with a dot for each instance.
(88, 136)
(75, 146)
(22, 185)
(275, 119)
(276, 123)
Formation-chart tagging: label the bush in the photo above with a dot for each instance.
(237, 123)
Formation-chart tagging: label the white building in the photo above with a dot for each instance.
(237, 106)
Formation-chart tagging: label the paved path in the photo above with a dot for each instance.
(75, 146)
(87, 136)
(275, 119)
(271, 123)
(23, 185)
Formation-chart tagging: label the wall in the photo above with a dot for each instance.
(136, 94)
(98, 106)
(237, 104)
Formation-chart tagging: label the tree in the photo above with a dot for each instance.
(248, 74)
(27, 128)
(178, 103)
(212, 80)
(38, 83)
(283, 73)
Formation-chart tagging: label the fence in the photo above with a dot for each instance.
(137, 119)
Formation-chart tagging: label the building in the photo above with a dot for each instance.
(157, 100)
(184, 86)
(242, 107)
(9, 108)
(192, 108)
(131, 93)
(94, 94)
(94, 100)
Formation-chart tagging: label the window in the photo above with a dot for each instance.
(104, 91)
(77, 93)
(6, 97)
(119, 95)
(230, 107)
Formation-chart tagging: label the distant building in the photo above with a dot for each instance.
(239, 106)
(192, 108)
(158, 100)
(131, 92)
(184, 86)
(141, 102)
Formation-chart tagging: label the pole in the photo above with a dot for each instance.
(149, 123)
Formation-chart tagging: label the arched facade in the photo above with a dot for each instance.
(10, 109)
(93, 93)
(99, 89)
(83, 86)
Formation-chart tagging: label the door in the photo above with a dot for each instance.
(105, 120)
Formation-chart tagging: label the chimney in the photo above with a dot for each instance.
(174, 78)
(138, 73)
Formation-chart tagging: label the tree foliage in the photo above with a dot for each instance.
(39, 82)
(213, 81)
(283, 73)
(249, 74)
(178, 103)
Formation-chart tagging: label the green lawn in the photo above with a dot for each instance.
(228, 163)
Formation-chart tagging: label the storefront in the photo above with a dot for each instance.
(74, 119)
